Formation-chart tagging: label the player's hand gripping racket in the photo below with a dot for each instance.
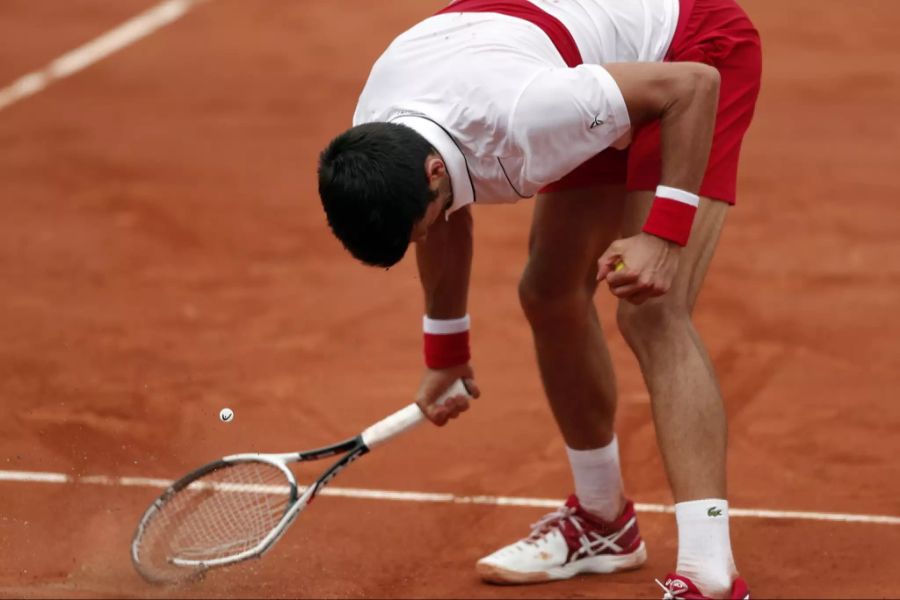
(237, 507)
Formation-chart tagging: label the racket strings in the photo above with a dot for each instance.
(230, 518)
(223, 513)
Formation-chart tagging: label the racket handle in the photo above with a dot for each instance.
(404, 419)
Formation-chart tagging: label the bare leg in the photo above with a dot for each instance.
(570, 231)
(687, 404)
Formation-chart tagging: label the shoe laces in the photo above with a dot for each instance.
(582, 542)
(668, 594)
(554, 520)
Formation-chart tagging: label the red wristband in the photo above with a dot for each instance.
(446, 350)
(446, 342)
(672, 215)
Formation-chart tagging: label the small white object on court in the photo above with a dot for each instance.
(226, 415)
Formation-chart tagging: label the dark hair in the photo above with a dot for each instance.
(374, 189)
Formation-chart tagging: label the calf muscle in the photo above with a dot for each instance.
(687, 404)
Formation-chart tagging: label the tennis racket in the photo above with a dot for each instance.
(237, 507)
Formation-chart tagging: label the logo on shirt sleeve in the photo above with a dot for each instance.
(597, 122)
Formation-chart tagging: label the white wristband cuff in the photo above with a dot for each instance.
(664, 191)
(445, 326)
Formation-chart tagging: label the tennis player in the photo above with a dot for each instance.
(625, 119)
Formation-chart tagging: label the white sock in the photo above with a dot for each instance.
(704, 546)
(598, 480)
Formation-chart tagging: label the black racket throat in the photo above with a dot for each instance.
(348, 445)
(357, 449)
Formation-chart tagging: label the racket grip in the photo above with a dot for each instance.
(404, 419)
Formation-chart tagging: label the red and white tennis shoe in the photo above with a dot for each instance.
(565, 543)
(679, 587)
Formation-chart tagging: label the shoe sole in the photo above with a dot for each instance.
(603, 564)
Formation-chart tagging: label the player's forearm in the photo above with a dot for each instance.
(683, 97)
(686, 127)
(444, 259)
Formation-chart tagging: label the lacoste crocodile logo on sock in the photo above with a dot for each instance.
(714, 512)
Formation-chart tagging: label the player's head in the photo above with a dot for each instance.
(377, 182)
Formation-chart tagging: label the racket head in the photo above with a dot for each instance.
(222, 513)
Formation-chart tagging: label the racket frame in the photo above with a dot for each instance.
(354, 448)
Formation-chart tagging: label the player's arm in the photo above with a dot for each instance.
(683, 97)
(444, 259)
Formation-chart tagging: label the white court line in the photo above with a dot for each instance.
(428, 497)
(109, 43)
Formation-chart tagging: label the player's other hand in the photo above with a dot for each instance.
(435, 382)
(648, 266)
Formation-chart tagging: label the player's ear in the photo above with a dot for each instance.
(435, 168)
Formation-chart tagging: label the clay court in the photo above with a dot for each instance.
(163, 254)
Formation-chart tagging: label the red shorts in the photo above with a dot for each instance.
(717, 33)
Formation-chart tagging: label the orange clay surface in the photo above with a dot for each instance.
(163, 254)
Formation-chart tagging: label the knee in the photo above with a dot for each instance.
(548, 300)
(655, 319)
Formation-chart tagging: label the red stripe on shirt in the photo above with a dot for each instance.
(522, 9)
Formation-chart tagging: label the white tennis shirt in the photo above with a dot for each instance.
(493, 96)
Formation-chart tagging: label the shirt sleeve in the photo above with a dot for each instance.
(565, 116)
